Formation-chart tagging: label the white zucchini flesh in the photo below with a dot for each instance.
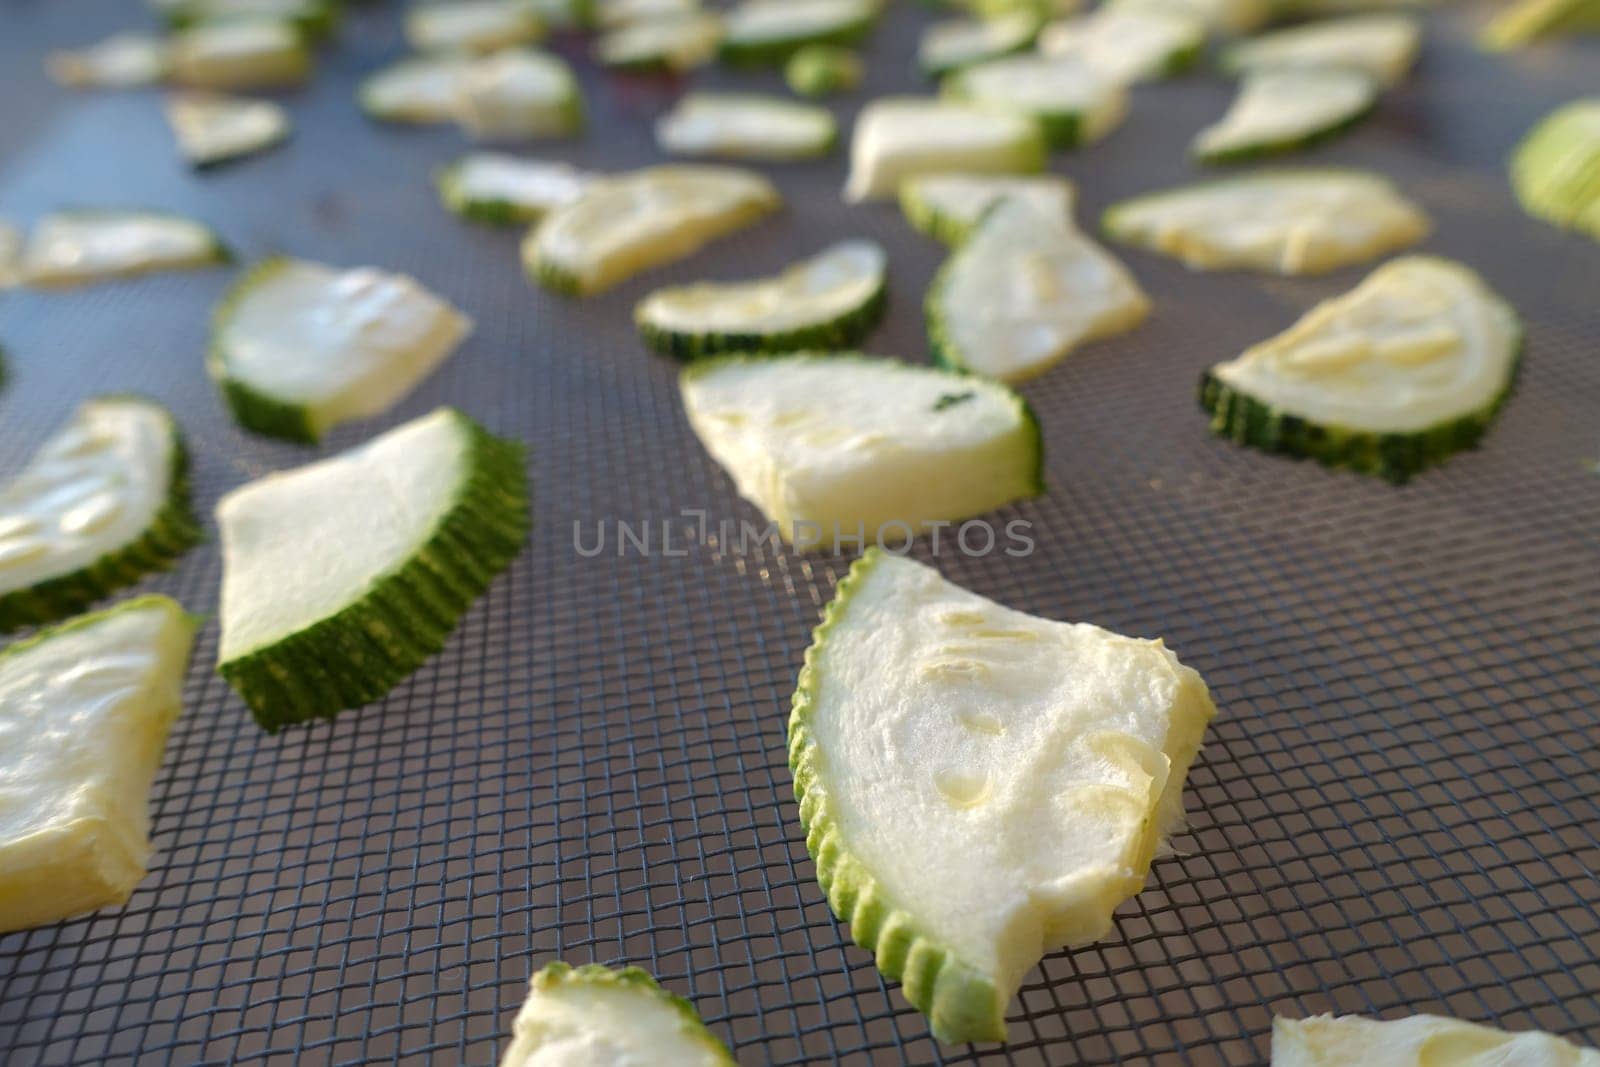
(896, 138)
(1282, 221)
(1049, 756)
(611, 14)
(70, 248)
(341, 344)
(420, 90)
(85, 709)
(756, 23)
(1280, 110)
(518, 94)
(211, 128)
(1127, 44)
(854, 444)
(948, 206)
(676, 42)
(523, 190)
(1382, 46)
(122, 61)
(471, 25)
(1417, 1041)
(1077, 103)
(1024, 291)
(745, 126)
(954, 43)
(1421, 342)
(240, 54)
(1231, 17)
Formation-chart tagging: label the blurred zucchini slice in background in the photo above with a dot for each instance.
(566, 14)
(1524, 21)
(471, 25)
(10, 258)
(1278, 221)
(1383, 46)
(519, 95)
(86, 245)
(610, 14)
(1226, 17)
(1128, 44)
(955, 43)
(1394, 376)
(1074, 103)
(745, 126)
(314, 19)
(1414, 1041)
(823, 70)
(121, 61)
(509, 190)
(240, 54)
(674, 43)
(1279, 111)
(769, 31)
(831, 300)
(947, 207)
(899, 137)
(423, 89)
(211, 128)
(1555, 171)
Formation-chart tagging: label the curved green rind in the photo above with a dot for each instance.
(1264, 149)
(173, 530)
(841, 331)
(359, 653)
(775, 50)
(1058, 129)
(251, 408)
(555, 278)
(1555, 171)
(315, 21)
(816, 70)
(216, 162)
(961, 1004)
(1183, 59)
(925, 218)
(635, 980)
(1525, 21)
(84, 621)
(491, 212)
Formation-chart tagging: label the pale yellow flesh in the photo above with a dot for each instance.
(416, 90)
(536, 185)
(516, 95)
(243, 54)
(471, 25)
(1048, 86)
(678, 42)
(956, 42)
(1417, 1041)
(758, 21)
(900, 137)
(577, 1024)
(744, 126)
(1276, 107)
(210, 128)
(1223, 16)
(10, 255)
(830, 284)
(960, 200)
(71, 249)
(1126, 44)
(1382, 46)
(122, 61)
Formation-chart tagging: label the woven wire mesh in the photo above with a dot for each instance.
(1395, 810)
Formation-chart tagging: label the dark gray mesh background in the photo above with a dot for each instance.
(1395, 809)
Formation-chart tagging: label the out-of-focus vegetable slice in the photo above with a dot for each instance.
(673, 43)
(954, 43)
(519, 95)
(1381, 46)
(509, 190)
(1072, 101)
(211, 128)
(471, 25)
(122, 61)
(1128, 44)
(72, 247)
(1556, 169)
(745, 126)
(1280, 111)
(240, 54)
(769, 31)
(899, 137)
(823, 70)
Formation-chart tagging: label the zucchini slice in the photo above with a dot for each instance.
(746, 126)
(508, 190)
(831, 300)
(340, 578)
(73, 247)
(1073, 102)
(472, 25)
(1228, 17)
(1278, 221)
(122, 61)
(930, 722)
(313, 19)
(1556, 169)
(900, 137)
(611, 14)
(1025, 290)
(298, 348)
(832, 447)
(955, 43)
(103, 502)
(645, 218)
(240, 54)
(1393, 376)
(823, 70)
(1524, 21)
(85, 709)
(10, 257)
(672, 44)
(1383, 46)
(419, 90)
(770, 31)
(595, 1015)
(947, 207)
(566, 14)
(1280, 111)
(519, 94)
(1415, 1041)
(212, 129)
(1129, 44)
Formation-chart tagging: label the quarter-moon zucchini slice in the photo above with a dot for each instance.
(930, 722)
(240, 54)
(769, 31)
(1524, 21)
(212, 129)
(672, 44)
(1383, 46)
(746, 126)
(85, 708)
(1393, 376)
(1285, 110)
(1556, 169)
(646, 218)
(835, 446)
(595, 1015)
(1279, 221)
(122, 61)
(1416, 1041)
(1128, 44)
(947, 207)
(897, 138)
(419, 90)
(313, 19)
(823, 70)
(519, 94)
(340, 578)
(954, 43)
(1073, 102)
(103, 502)
(298, 348)
(509, 190)
(471, 25)
(829, 301)
(1025, 290)
(74, 247)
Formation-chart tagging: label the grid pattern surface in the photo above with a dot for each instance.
(1395, 809)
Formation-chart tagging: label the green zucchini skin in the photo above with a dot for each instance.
(316, 22)
(844, 331)
(1555, 171)
(254, 410)
(777, 51)
(488, 212)
(173, 531)
(818, 70)
(359, 653)
(558, 280)
(1266, 149)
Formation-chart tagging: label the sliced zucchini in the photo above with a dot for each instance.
(955, 43)
(1556, 169)
(10, 257)
(519, 94)
(240, 54)
(122, 61)
(595, 1015)
(930, 722)
(1025, 290)
(313, 19)
(1279, 221)
(1280, 111)
(610, 14)
(298, 348)
(340, 578)
(1525, 21)
(672, 44)
(211, 129)
(823, 70)
(947, 207)
(769, 31)
(1416, 1041)
(1394, 376)
(900, 137)
(472, 25)
(85, 709)
(645, 218)
(73, 247)
(567, 14)
(508, 190)
(420, 90)
(1383, 46)
(1231, 17)
(103, 502)
(835, 446)
(1073, 102)
(745, 126)
(831, 300)
(1129, 44)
